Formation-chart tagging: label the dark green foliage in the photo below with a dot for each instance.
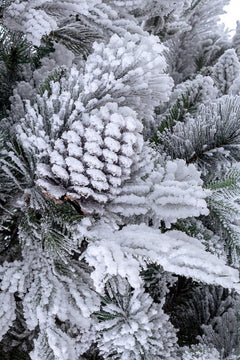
(17, 171)
(157, 25)
(12, 177)
(223, 330)
(42, 51)
(10, 248)
(17, 168)
(191, 305)
(201, 230)
(189, 226)
(176, 303)
(18, 341)
(200, 62)
(14, 355)
(91, 354)
(14, 54)
(17, 57)
(194, 4)
(184, 103)
(207, 58)
(53, 231)
(157, 281)
(228, 183)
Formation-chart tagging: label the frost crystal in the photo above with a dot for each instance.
(123, 252)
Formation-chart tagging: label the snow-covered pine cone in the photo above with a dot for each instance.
(85, 127)
(94, 156)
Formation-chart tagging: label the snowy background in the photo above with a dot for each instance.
(232, 14)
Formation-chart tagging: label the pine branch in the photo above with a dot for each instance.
(56, 76)
(227, 183)
(42, 51)
(191, 305)
(53, 231)
(185, 101)
(224, 206)
(14, 53)
(211, 135)
(185, 104)
(17, 168)
(76, 37)
(118, 318)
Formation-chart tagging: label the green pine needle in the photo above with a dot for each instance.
(54, 77)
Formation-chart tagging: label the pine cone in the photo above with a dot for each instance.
(94, 156)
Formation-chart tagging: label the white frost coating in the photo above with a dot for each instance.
(62, 56)
(84, 155)
(226, 70)
(46, 294)
(34, 23)
(11, 277)
(121, 80)
(131, 70)
(86, 138)
(62, 296)
(61, 344)
(97, 149)
(170, 192)
(50, 294)
(214, 123)
(7, 312)
(201, 87)
(129, 4)
(177, 193)
(122, 253)
(201, 352)
(234, 89)
(33, 19)
(11, 282)
(137, 328)
(96, 159)
(109, 260)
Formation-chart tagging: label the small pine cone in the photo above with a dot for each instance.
(94, 156)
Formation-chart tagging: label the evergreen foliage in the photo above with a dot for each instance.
(119, 181)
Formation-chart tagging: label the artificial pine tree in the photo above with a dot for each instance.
(120, 181)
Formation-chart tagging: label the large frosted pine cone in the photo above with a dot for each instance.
(94, 156)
